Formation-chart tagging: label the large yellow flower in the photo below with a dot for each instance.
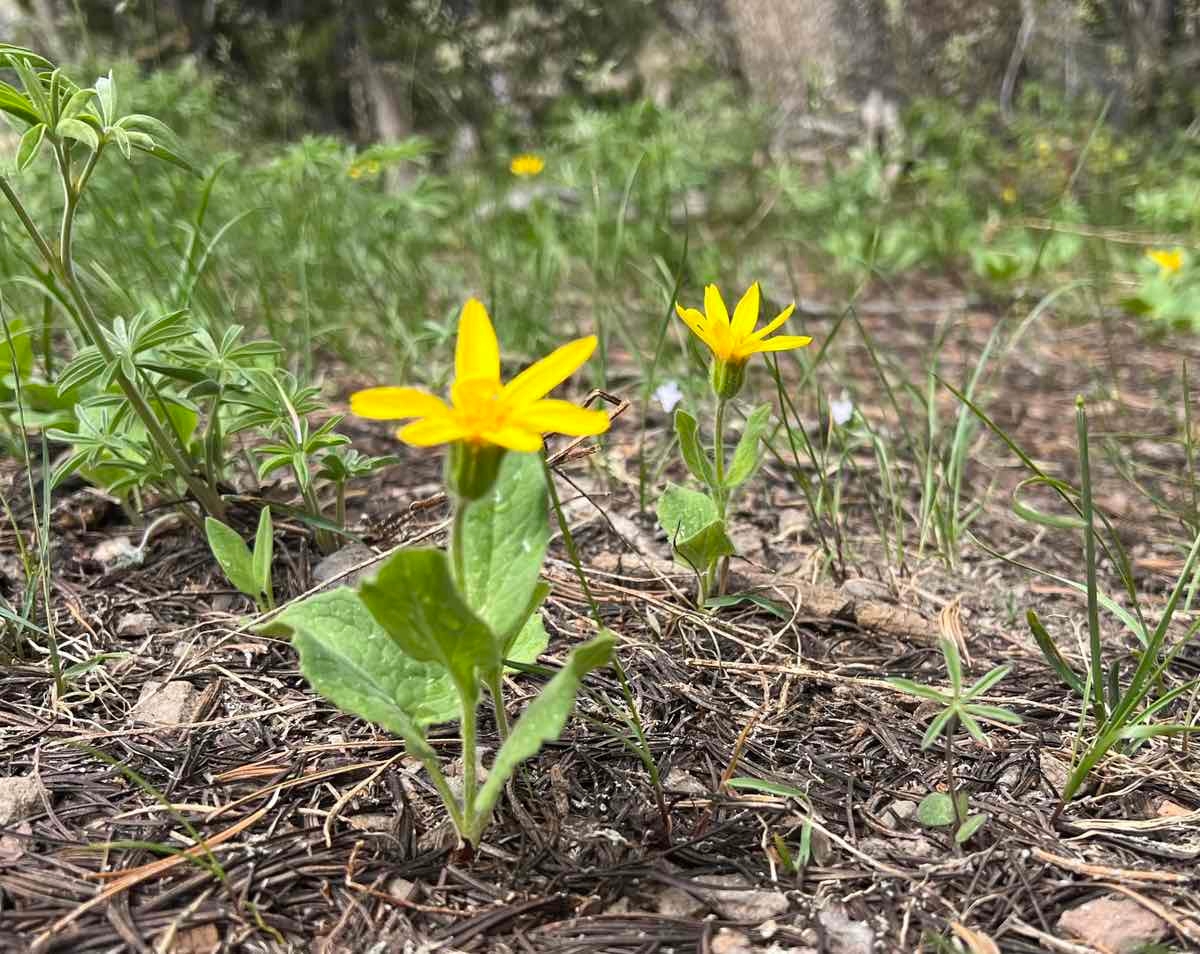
(735, 341)
(482, 410)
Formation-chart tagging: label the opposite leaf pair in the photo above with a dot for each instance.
(417, 643)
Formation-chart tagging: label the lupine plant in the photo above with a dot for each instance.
(693, 520)
(421, 641)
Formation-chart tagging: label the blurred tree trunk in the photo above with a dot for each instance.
(389, 119)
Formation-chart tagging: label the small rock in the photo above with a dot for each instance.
(330, 569)
(401, 888)
(674, 902)
(170, 703)
(116, 552)
(860, 588)
(1054, 770)
(135, 624)
(845, 935)
(901, 810)
(372, 821)
(683, 783)
(1113, 923)
(735, 900)
(1169, 809)
(729, 941)
(202, 939)
(20, 797)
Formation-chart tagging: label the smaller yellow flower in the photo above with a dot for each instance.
(1169, 261)
(483, 412)
(1008, 195)
(1043, 147)
(526, 165)
(372, 167)
(735, 341)
(355, 171)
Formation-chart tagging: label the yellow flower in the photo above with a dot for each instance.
(355, 171)
(1168, 261)
(1008, 195)
(733, 342)
(482, 410)
(526, 165)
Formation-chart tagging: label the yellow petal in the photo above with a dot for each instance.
(714, 308)
(695, 321)
(745, 315)
(542, 377)
(477, 354)
(394, 404)
(778, 343)
(560, 417)
(514, 438)
(774, 323)
(431, 431)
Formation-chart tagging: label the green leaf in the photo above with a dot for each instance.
(16, 103)
(16, 357)
(691, 524)
(768, 788)
(544, 718)
(77, 103)
(747, 455)
(80, 131)
(529, 643)
(350, 660)
(106, 93)
(774, 607)
(971, 825)
(233, 555)
(264, 546)
(414, 598)
(694, 456)
(937, 810)
(31, 143)
(1052, 656)
(505, 536)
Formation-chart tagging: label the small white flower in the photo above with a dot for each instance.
(841, 409)
(668, 395)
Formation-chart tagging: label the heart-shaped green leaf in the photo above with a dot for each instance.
(693, 527)
(505, 536)
(413, 597)
(351, 661)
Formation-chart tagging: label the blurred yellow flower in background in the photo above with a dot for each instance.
(526, 165)
(1169, 261)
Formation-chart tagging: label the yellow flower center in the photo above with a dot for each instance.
(479, 407)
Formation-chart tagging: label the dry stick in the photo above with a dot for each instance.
(1119, 874)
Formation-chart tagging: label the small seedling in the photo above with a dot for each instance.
(950, 808)
(249, 571)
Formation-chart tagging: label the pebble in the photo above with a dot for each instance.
(171, 703)
(1114, 923)
(20, 797)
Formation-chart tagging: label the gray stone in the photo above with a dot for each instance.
(331, 569)
(1113, 923)
(20, 797)
(845, 935)
(171, 703)
(135, 624)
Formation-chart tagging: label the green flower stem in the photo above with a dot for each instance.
(714, 578)
(458, 526)
(719, 457)
(434, 772)
(469, 697)
(495, 685)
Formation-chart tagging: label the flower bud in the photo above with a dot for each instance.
(471, 468)
(727, 378)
